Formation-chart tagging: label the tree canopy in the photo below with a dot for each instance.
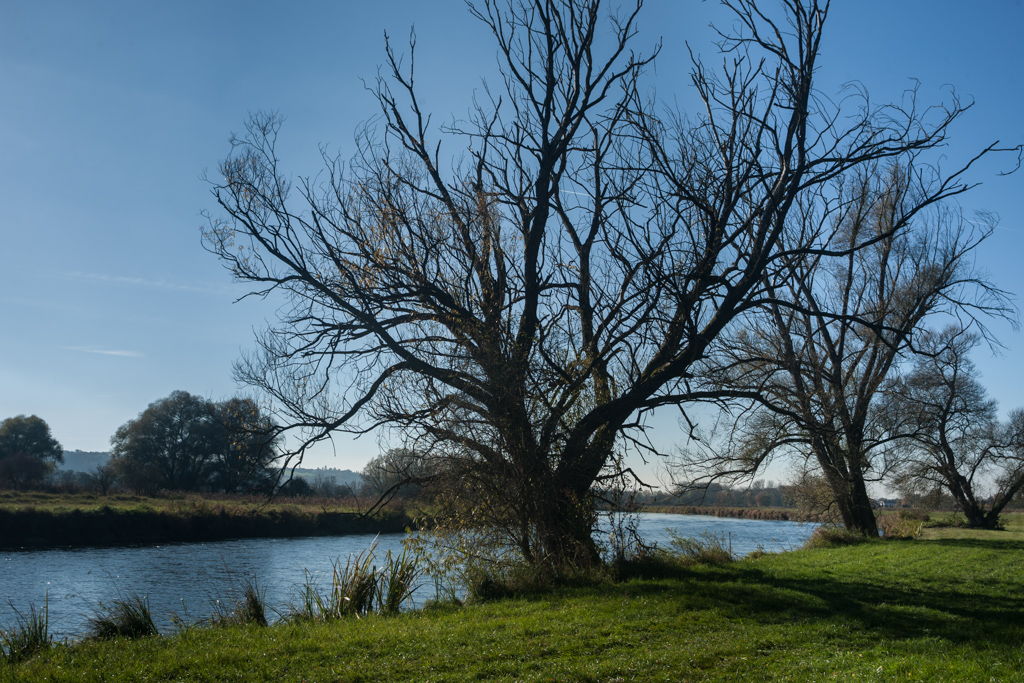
(28, 451)
(187, 443)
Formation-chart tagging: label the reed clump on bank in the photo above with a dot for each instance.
(250, 609)
(360, 587)
(29, 635)
(127, 617)
(902, 524)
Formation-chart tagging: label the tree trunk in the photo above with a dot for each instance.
(977, 518)
(851, 495)
(565, 530)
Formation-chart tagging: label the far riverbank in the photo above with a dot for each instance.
(50, 520)
(772, 514)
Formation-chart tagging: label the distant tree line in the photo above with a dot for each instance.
(759, 494)
(948, 451)
(182, 442)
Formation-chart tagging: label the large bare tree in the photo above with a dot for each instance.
(521, 309)
(815, 360)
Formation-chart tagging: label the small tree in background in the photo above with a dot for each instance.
(958, 443)
(28, 451)
(397, 473)
(102, 477)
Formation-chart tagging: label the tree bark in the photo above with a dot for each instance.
(851, 497)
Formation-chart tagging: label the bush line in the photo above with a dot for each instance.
(113, 526)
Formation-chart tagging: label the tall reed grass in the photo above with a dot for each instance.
(250, 609)
(360, 587)
(708, 548)
(29, 635)
(128, 617)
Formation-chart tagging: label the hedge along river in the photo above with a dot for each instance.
(185, 580)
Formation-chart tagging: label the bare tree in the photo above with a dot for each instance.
(521, 310)
(958, 441)
(818, 356)
(102, 478)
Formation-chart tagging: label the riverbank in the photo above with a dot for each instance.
(931, 609)
(766, 513)
(41, 519)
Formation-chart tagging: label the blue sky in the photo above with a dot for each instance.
(111, 111)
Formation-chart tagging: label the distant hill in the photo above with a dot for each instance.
(340, 476)
(84, 461)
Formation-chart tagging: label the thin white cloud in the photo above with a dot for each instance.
(107, 352)
(143, 282)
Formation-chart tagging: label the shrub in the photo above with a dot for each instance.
(708, 548)
(829, 536)
(655, 565)
(952, 519)
(509, 580)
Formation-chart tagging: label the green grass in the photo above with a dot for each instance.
(1013, 523)
(944, 609)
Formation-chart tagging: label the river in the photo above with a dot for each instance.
(186, 579)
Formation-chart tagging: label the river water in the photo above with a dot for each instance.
(186, 579)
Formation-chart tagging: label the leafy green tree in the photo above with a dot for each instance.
(170, 445)
(28, 451)
(248, 445)
(185, 442)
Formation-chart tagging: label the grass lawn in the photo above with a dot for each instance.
(934, 609)
(1012, 521)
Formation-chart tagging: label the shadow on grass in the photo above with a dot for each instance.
(985, 543)
(947, 601)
